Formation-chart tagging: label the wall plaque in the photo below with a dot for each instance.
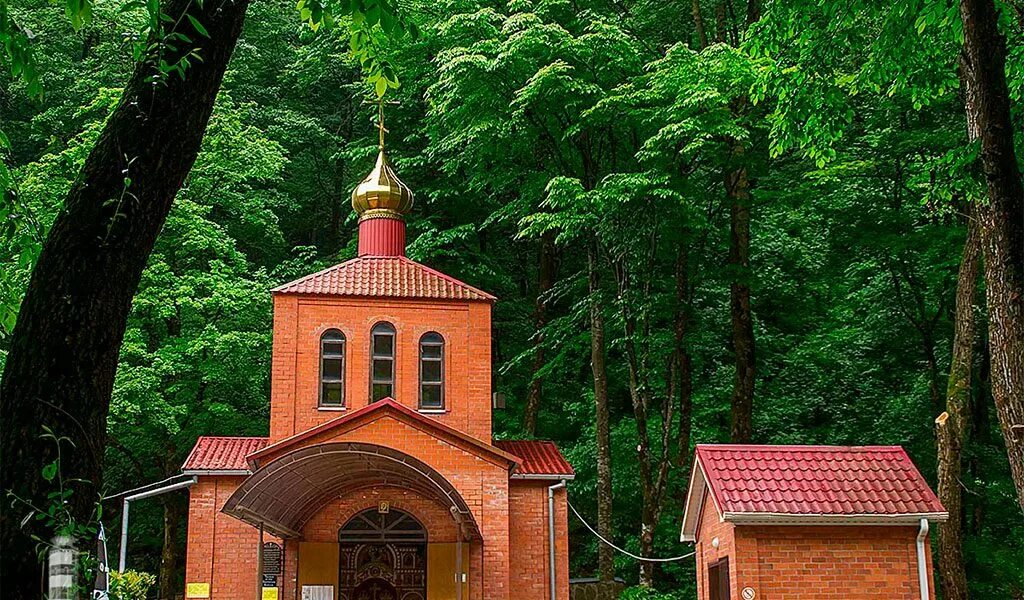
(273, 561)
(197, 590)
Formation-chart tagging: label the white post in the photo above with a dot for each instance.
(123, 548)
(62, 570)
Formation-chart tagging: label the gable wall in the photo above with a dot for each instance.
(483, 485)
(711, 527)
(299, 321)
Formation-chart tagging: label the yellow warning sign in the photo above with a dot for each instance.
(197, 590)
(270, 593)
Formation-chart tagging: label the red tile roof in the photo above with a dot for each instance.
(822, 484)
(213, 453)
(540, 459)
(384, 276)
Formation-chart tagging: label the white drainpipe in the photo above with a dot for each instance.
(922, 561)
(551, 534)
(123, 550)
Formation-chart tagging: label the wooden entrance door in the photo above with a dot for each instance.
(718, 580)
(375, 589)
(383, 556)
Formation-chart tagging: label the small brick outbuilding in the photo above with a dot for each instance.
(810, 522)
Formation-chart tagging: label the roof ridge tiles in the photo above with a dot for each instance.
(383, 276)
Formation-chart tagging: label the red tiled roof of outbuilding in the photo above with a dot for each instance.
(816, 480)
(820, 484)
(213, 453)
(541, 459)
(384, 276)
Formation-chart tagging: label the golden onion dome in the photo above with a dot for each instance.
(382, 193)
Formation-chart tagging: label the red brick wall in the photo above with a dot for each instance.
(221, 550)
(299, 321)
(838, 562)
(436, 519)
(711, 527)
(528, 508)
(790, 562)
(482, 483)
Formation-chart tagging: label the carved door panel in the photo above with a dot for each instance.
(375, 589)
(382, 553)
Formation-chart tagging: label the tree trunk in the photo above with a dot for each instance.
(648, 521)
(60, 369)
(683, 361)
(605, 557)
(738, 190)
(653, 471)
(951, 425)
(987, 103)
(698, 24)
(174, 516)
(545, 280)
(721, 26)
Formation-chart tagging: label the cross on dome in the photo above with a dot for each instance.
(381, 194)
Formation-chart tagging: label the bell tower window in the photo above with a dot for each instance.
(382, 361)
(432, 371)
(332, 369)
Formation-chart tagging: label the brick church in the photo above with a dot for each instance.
(380, 479)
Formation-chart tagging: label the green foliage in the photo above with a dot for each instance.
(643, 593)
(61, 527)
(544, 123)
(130, 585)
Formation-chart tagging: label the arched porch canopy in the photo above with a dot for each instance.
(285, 493)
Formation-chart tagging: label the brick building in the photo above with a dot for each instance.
(380, 479)
(810, 522)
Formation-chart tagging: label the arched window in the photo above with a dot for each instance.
(382, 361)
(432, 371)
(332, 369)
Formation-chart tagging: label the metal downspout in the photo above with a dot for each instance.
(551, 536)
(123, 550)
(922, 563)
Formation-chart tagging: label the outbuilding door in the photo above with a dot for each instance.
(718, 580)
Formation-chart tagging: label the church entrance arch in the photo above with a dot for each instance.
(383, 556)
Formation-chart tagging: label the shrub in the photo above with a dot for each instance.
(130, 585)
(642, 593)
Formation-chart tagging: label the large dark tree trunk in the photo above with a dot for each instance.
(951, 425)
(987, 103)
(545, 280)
(738, 190)
(605, 556)
(60, 370)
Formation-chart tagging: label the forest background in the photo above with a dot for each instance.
(705, 223)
